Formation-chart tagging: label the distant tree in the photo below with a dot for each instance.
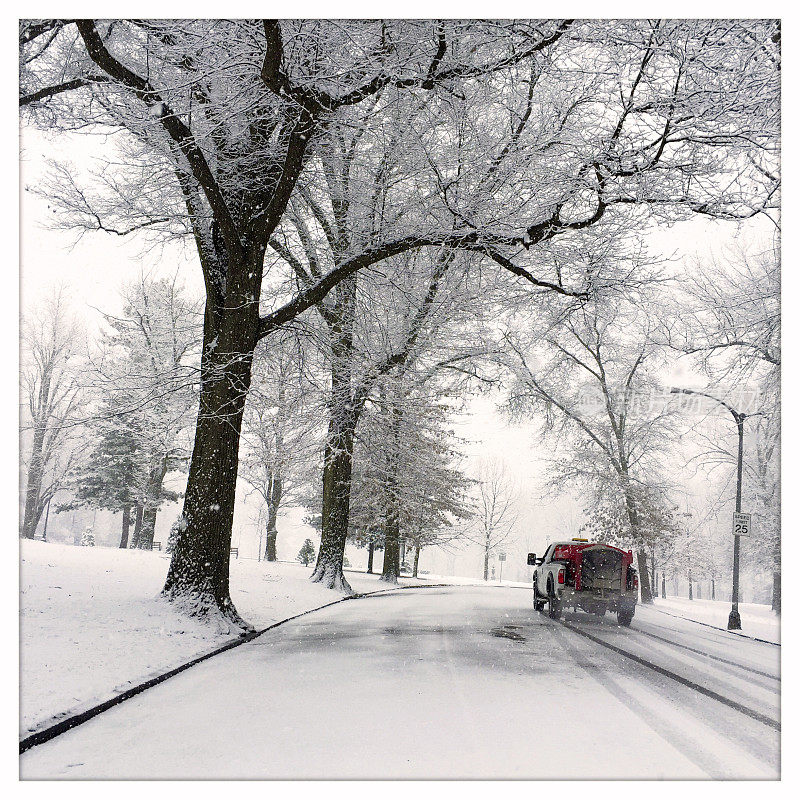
(407, 490)
(113, 473)
(146, 374)
(87, 539)
(50, 395)
(495, 512)
(281, 431)
(307, 553)
(731, 325)
(595, 381)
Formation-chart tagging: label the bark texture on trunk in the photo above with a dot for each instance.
(776, 576)
(337, 473)
(416, 561)
(126, 527)
(337, 468)
(154, 488)
(644, 577)
(370, 557)
(394, 549)
(198, 576)
(391, 550)
(137, 525)
(33, 501)
(275, 493)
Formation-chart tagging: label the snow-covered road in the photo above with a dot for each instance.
(462, 682)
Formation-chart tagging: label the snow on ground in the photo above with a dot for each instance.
(92, 623)
(458, 580)
(450, 683)
(757, 620)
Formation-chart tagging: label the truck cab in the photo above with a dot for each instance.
(590, 576)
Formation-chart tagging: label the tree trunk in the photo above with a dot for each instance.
(276, 490)
(336, 475)
(126, 526)
(137, 525)
(337, 468)
(154, 488)
(391, 549)
(416, 561)
(370, 556)
(486, 564)
(392, 544)
(644, 577)
(33, 490)
(776, 576)
(199, 571)
(641, 556)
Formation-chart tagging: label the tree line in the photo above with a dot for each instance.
(392, 191)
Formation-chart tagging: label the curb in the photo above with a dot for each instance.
(50, 732)
(717, 628)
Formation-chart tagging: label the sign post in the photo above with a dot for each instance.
(501, 557)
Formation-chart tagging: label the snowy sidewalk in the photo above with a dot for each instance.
(92, 623)
(758, 621)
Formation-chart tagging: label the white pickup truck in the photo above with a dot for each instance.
(591, 576)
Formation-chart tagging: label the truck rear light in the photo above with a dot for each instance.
(635, 581)
(561, 576)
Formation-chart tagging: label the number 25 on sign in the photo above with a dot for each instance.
(741, 524)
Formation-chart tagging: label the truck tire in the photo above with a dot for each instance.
(538, 602)
(553, 603)
(624, 616)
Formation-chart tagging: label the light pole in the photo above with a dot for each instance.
(734, 619)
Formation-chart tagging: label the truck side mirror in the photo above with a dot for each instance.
(531, 559)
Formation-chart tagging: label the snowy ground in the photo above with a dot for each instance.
(758, 620)
(462, 682)
(92, 624)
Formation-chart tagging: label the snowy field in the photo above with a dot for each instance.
(757, 620)
(92, 623)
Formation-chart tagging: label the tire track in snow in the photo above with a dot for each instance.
(674, 733)
(742, 709)
(708, 655)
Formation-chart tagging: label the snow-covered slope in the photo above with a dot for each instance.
(758, 620)
(92, 623)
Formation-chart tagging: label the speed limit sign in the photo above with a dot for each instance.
(741, 524)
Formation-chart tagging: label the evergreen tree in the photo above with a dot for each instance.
(87, 540)
(145, 375)
(407, 490)
(113, 475)
(307, 553)
(175, 531)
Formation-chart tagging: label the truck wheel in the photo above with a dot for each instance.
(554, 604)
(538, 602)
(624, 616)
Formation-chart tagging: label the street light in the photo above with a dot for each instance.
(734, 620)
